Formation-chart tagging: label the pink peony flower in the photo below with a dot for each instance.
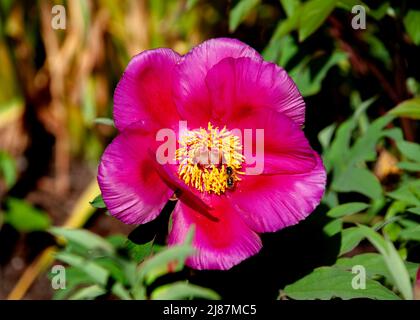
(219, 86)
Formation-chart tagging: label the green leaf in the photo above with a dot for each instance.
(238, 14)
(335, 156)
(104, 121)
(117, 240)
(415, 210)
(183, 290)
(350, 238)
(98, 202)
(97, 273)
(409, 166)
(333, 227)
(114, 266)
(325, 135)
(358, 180)
(374, 264)
(347, 209)
(348, 4)
(410, 150)
(392, 259)
(88, 293)
(158, 265)
(24, 217)
(411, 234)
(281, 50)
(290, 6)
(302, 74)
(7, 169)
(411, 23)
(87, 239)
(138, 252)
(407, 193)
(191, 4)
(329, 282)
(408, 108)
(312, 15)
(286, 26)
(364, 148)
(74, 279)
(379, 12)
(121, 292)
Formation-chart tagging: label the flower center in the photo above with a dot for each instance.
(210, 159)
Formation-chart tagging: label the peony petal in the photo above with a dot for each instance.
(145, 89)
(283, 149)
(220, 245)
(132, 191)
(270, 203)
(191, 94)
(189, 196)
(240, 86)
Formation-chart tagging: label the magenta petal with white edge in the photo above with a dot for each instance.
(145, 90)
(269, 203)
(132, 191)
(240, 86)
(190, 90)
(220, 244)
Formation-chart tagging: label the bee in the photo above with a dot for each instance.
(229, 171)
(230, 182)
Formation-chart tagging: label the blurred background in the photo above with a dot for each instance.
(56, 109)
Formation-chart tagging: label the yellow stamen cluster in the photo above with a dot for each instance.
(204, 156)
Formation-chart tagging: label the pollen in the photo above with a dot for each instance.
(210, 160)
